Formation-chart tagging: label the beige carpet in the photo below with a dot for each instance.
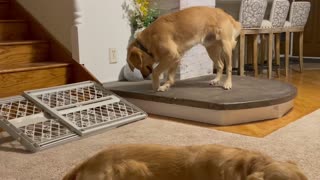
(298, 141)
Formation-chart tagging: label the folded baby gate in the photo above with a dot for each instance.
(47, 117)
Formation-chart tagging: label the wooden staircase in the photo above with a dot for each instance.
(30, 58)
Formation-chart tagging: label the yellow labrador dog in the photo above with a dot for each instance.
(167, 39)
(203, 162)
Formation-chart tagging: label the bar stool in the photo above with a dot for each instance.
(251, 17)
(298, 17)
(274, 26)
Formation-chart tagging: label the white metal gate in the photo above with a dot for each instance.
(47, 117)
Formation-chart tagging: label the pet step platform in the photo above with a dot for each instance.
(47, 117)
(250, 99)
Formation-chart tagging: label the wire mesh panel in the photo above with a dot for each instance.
(24, 121)
(87, 118)
(74, 95)
(17, 107)
(86, 107)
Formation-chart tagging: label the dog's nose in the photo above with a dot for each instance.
(144, 76)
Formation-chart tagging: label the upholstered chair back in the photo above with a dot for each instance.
(279, 13)
(252, 13)
(299, 13)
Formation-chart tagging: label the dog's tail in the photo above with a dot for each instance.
(237, 25)
(236, 31)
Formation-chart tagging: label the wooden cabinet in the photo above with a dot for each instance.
(311, 34)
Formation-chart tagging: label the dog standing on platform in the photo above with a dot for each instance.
(203, 162)
(167, 39)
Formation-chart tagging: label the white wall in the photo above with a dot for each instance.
(167, 6)
(104, 26)
(55, 15)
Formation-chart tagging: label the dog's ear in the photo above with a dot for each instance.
(135, 59)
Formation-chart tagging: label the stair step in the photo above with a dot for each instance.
(28, 42)
(16, 52)
(13, 30)
(18, 78)
(4, 9)
(10, 68)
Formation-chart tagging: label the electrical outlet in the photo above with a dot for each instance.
(113, 56)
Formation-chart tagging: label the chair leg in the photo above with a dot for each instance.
(241, 58)
(287, 46)
(277, 52)
(255, 54)
(270, 45)
(262, 49)
(301, 51)
(250, 40)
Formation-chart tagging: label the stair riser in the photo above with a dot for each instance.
(13, 54)
(17, 82)
(4, 10)
(13, 31)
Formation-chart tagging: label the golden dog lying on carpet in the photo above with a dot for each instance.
(167, 39)
(203, 162)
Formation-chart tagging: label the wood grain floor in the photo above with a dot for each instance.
(307, 101)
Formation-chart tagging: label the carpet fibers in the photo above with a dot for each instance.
(299, 141)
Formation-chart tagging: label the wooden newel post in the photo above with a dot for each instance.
(75, 31)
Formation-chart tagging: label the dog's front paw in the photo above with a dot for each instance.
(155, 88)
(215, 82)
(227, 85)
(163, 88)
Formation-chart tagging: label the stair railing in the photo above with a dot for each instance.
(76, 31)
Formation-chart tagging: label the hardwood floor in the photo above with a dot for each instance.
(307, 101)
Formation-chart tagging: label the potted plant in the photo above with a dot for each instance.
(141, 14)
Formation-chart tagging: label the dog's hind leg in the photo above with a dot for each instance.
(214, 52)
(227, 52)
(171, 77)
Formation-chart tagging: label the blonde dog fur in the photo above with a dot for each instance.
(202, 162)
(167, 39)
